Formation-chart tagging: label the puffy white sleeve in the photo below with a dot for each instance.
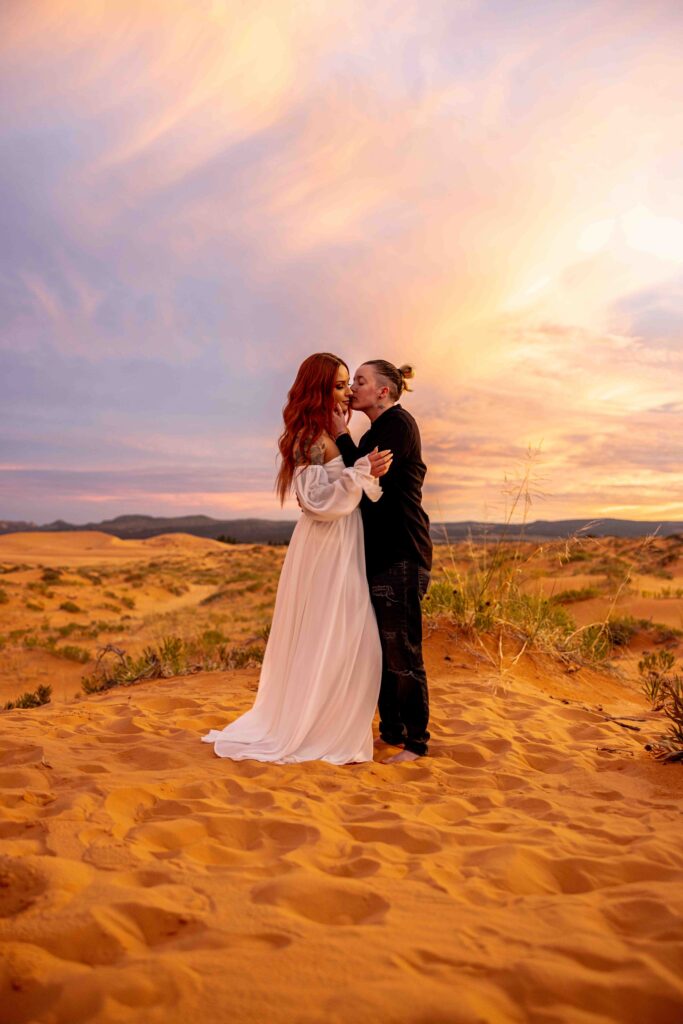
(325, 499)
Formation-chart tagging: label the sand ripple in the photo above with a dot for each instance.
(523, 873)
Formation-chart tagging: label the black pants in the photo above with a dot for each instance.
(403, 699)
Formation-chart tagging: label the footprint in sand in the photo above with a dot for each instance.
(407, 836)
(468, 754)
(20, 886)
(354, 867)
(321, 902)
(221, 838)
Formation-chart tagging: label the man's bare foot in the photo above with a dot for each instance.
(379, 742)
(404, 755)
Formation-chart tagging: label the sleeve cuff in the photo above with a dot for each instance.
(368, 482)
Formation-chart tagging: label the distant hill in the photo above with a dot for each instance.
(548, 529)
(269, 531)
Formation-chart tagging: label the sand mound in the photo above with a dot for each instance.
(79, 545)
(529, 871)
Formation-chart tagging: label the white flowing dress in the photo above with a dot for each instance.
(322, 667)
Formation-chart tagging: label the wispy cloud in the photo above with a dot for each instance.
(197, 196)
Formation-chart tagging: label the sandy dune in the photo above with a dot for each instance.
(78, 547)
(529, 871)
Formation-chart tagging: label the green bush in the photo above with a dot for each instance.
(51, 576)
(31, 700)
(571, 596)
(173, 656)
(663, 687)
(73, 653)
(69, 606)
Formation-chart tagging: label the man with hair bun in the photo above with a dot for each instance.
(398, 551)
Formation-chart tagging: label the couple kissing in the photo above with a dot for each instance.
(346, 633)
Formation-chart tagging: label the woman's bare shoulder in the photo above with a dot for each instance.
(308, 451)
(314, 452)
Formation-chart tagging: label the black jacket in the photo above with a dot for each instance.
(396, 527)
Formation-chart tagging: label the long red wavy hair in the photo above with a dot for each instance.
(307, 414)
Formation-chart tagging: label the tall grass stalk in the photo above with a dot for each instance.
(489, 597)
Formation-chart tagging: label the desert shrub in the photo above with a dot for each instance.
(663, 687)
(177, 589)
(571, 596)
(203, 576)
(33, 607)
(127, 602)
(442, 598)
(51, 576)
(40, 588)
(154, 663)
(70, 606)
(41, 695)
(579, 556)
(135, 578)
(217, 595)
(224, 539)
(621, 630)
(674, 712)
(73, 653)
(213, 637)
(67, 630)
(93, 577)
(3, 596)
(664, 634)
(172, 656)
(655, 671)
(103, 626)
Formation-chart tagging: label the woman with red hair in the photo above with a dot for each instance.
(321, 671)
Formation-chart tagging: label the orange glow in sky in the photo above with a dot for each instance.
(198, 195)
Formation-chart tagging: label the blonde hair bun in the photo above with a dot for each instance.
(407, 373)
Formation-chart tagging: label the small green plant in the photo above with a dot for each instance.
(621, 630)
(579, 556)
(51, 576)
(663, 687)
(34, 699)
(571, 596)
(93, 577)
(70, 606)
(73, 653)
(64, 631)
(33, 607)
(172, 656)
(655, 669)
(40, 588)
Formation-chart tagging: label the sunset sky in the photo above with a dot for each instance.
(196, 194)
